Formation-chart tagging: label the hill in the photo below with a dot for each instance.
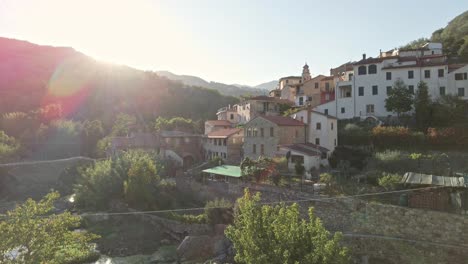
(33, 76)
(454, 38)
(225, 89)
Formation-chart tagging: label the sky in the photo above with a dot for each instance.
(231, 41)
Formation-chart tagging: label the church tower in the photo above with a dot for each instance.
(305, 73)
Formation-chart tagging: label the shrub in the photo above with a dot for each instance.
(396, 137)
(188, 218)
(389, 181)
(353, 135)
(356, 157)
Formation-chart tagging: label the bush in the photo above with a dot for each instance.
(326, 178)
(353, 135)
(389, 181)
(396, 137)
(356, 157)
(187, 218)
(450, 137)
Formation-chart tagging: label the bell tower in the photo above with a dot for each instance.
(305, 73)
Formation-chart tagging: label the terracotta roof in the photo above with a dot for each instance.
(454, 67)
(306, 148)
(283, 120)
(328, 78)
(417, 64)
(374, 60)
(290, 77)
(219, 122)
(270, 98)
(224, 133)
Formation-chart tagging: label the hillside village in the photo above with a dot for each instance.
(256, 127)
(366, 164)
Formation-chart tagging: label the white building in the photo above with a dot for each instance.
(321, 128)
(362, 91)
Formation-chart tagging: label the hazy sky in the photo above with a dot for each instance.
(238, 41)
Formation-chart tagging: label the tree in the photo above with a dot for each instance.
(299, 168)
(9, 147)
(277, 234)
(39, 236)
(422, 107)
(91, 133)
(141, 183)
(399, 99)
(415, 43)
(123, 125)
(260, 169)
(449, 110)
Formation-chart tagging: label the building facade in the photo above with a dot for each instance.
(224, 143)
(264, 134)
(362, 91)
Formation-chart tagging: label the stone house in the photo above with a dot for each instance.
(224, 143)
(264, 134)
(213, 125)
(251, 107)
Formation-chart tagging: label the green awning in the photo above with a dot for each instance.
(226, 170)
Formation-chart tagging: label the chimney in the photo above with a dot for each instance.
(363, 56)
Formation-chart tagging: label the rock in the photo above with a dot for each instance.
(165, 254)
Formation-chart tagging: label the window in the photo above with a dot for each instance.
(410, 74)
(224, 142)
(261, 132)
(350, 77)
(262, 149)
(287, 81)
(460, 76)
(254, 148)
(327, 86)
(370, 109)
(297, 159)
(249, 132)
(332, 126)
(442, 90)
(316, 85)
(389, 89)
(324, 155)
(375, 90)
(272, 132)
(335, 142)
(461, 92)
(362, 70)
(427, 74)
(232, 116)
(389, 75)
(301, 100)
(255, 132)
(317, 141)
(325, 111)
(361, 91)
(309, 98)
(318, 126)
(441, 72)
(342, 110)
(372, 69)
(411, 89)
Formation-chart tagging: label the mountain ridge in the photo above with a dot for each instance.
(226, 89)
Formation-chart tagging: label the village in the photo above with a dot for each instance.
(324, 160)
